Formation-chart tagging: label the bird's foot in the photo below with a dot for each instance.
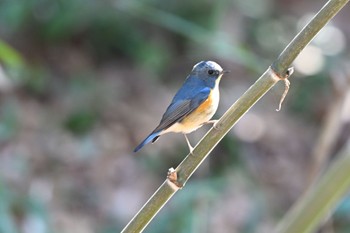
(189, 145)
(191, 149)
(214, 122)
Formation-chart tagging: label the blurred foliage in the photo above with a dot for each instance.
(303, 99)
(76, 22)
(108, 34)
(9, 56)
(7, 220)
(9, 121)
(18, 208)
(92, 68)
(230, 156)
(342, 216)
(36, 82)
(80, 123)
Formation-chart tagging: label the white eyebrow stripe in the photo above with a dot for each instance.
(211, 64)
(215, 65)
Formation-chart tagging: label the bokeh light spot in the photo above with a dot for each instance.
(330, 40)
(310, 61)
(250, 128)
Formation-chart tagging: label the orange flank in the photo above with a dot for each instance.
(202, 114)
(206, 105)
(199, 116)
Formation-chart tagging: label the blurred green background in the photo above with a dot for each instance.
(82, 82)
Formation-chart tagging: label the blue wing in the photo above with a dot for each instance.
(181, 107)
(186, 100)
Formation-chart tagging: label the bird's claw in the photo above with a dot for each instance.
(191, 150)
(214, 122)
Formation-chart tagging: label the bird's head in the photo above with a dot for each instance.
(208, 70)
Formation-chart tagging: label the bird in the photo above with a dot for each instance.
(194, 104)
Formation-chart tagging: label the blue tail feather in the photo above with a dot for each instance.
(151, 138)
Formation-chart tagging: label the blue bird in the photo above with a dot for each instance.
(193, 105)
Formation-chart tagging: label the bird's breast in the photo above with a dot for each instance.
(209, 106)
(203, 113)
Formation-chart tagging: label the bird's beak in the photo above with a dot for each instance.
(225, 71)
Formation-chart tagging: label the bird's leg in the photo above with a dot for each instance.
(212, 122)
(189, 144)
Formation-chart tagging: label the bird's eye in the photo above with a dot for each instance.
(210, 72)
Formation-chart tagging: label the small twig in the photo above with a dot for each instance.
(172, 178)
(289, 72)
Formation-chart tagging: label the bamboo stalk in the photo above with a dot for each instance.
(321, 199)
